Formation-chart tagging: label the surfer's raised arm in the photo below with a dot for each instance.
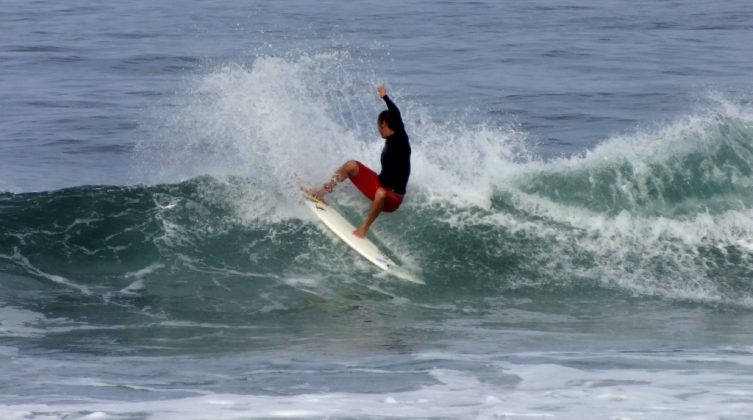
(396, 120)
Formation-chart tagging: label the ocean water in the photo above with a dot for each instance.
(580, 208)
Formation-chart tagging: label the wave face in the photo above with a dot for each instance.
(663, 212)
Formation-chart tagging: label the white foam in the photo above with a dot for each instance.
(139, 275)
(24, 262)
(133, 288)
(543, 390)
(19, 322)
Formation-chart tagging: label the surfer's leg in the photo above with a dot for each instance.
(376, 207)
(347, 170)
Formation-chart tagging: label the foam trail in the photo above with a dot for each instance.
(24, 262)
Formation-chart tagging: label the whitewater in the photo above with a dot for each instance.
(579, 208)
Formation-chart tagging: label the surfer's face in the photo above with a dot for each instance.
(384, 129)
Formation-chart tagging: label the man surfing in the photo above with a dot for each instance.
(386, 190)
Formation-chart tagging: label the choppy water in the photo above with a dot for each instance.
(580, 209)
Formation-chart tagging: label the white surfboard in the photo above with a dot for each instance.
(344, 230)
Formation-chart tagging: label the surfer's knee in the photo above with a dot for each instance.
(380, 194)
(350, 168)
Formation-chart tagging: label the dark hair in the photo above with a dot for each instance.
(385, 117)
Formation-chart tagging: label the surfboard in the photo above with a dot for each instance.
(341, 227)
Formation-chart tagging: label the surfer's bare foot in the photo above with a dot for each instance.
(324, 189)
(360, 232)
(318, 192)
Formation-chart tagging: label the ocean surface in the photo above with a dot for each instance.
(580, 208)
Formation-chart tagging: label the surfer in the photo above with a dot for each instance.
(386, 190)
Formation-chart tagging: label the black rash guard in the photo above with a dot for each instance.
(396, 153)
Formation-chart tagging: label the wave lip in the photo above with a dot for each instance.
(703, 162)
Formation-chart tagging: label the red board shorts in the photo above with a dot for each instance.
(367, 181)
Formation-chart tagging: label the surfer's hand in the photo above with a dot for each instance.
(382, 91)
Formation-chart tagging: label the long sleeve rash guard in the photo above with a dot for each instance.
(396, 153)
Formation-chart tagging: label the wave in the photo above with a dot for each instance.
(664, 211)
